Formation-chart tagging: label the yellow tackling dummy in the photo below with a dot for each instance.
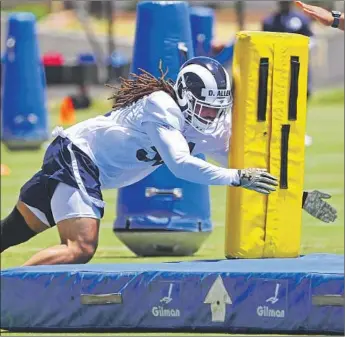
(268, 131)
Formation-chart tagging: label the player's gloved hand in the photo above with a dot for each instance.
(258, 180)
(318, 208)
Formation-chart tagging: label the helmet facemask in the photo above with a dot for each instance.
(205, 115)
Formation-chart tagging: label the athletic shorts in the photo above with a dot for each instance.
(64, 164)
(67, 202)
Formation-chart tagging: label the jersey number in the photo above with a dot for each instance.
(157, 159)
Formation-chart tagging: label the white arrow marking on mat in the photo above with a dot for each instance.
(218, 297)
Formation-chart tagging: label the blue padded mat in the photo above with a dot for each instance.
(303, 295)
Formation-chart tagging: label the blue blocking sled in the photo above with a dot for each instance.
(24, 114)
(303, 295)
(163, 215)
(202, 21)
(163, 32)
(202, 24)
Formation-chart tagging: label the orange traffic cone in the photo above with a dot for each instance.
(67, 112)
(5, 171)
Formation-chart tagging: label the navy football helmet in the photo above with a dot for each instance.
(203, 91)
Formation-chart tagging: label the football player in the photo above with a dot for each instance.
(153, 121)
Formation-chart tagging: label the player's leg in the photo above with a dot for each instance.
(79, 240)
(20, 226)
(78, 226)
(27, 218)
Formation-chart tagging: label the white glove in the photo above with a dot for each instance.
(258, 180)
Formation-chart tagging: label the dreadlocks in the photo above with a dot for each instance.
(132, 90)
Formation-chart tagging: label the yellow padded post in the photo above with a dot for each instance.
(268, 130)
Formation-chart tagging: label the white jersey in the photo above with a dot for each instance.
(128, 144)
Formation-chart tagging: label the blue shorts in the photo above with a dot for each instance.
(58, 167)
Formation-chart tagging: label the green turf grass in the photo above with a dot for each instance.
(324, 170)
(39, 8)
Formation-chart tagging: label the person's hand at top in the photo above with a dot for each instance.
(327, 18)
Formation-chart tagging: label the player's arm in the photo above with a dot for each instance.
(174, 151)
(312, 202)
